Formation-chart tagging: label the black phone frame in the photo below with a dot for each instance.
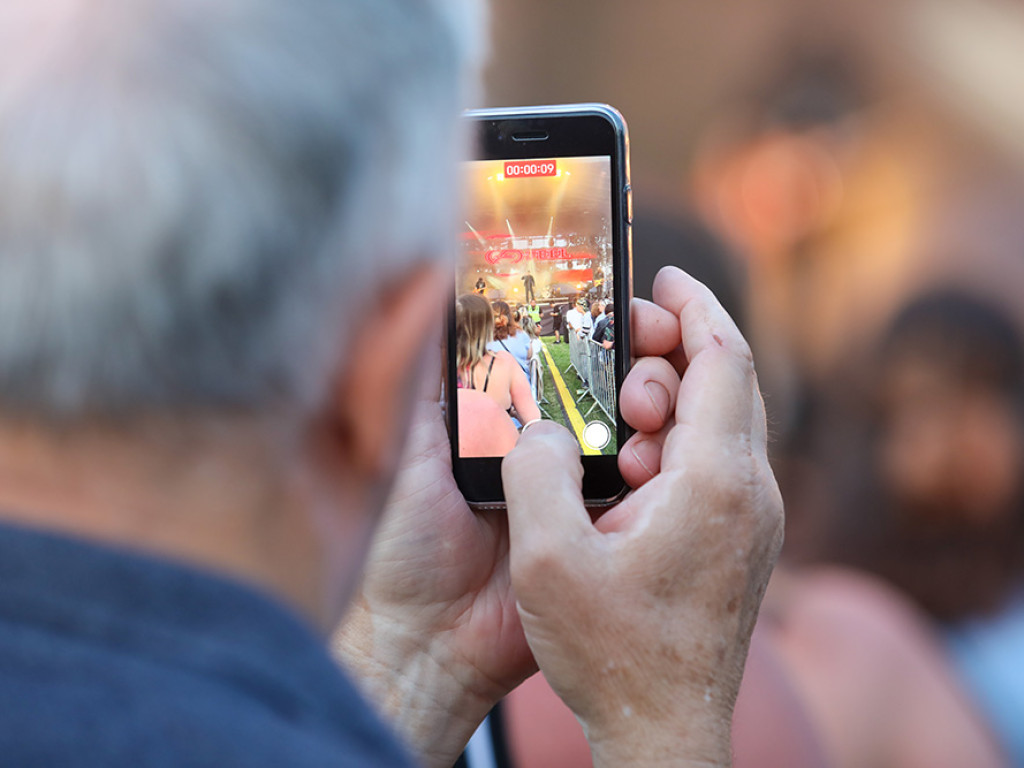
(578, 130)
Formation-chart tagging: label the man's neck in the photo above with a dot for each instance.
(215, 493)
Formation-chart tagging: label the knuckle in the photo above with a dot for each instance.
(765, 512)
(656, 367)
(740, 480)
(540, 563)
(778, 522)
(704, 473)
(744, 355)
(721, 482)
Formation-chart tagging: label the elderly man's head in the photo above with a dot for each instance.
(219, 220)
(192, 191)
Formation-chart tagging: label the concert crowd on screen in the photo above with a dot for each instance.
(499, 364)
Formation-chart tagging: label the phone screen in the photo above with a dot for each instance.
(535, 303)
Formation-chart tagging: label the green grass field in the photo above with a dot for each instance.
(560, 354)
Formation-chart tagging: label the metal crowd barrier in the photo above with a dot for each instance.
(537, 385)
(602, 379)
(595, 366)
(579, 356)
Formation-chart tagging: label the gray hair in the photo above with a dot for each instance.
(191, 190)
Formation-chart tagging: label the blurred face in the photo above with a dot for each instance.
(949, 449)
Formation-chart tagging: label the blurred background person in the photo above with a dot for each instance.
(942, 515)
(938, 502)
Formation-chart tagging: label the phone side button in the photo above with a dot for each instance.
(629, 204)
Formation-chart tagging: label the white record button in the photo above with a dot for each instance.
(597, 435)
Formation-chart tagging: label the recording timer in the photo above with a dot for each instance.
(526, 169)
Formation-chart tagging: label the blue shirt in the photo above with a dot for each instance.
(109, 658)
(518, 346)
(987, 654)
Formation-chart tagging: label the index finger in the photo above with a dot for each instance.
(656, 333)
(676, 292)
(715, 395)
(655, 329)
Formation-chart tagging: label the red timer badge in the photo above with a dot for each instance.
(526, 169)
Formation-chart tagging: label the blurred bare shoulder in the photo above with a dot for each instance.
(872, 673)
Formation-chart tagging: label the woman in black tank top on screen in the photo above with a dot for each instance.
(496, 374)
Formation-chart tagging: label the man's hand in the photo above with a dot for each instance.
(642, 621)
(434, 637)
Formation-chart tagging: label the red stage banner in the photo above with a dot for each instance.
(537, 254)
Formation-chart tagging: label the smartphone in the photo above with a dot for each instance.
(539, 327)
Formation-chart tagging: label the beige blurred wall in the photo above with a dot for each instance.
(671, 66)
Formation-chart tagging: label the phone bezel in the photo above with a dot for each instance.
(583, 130)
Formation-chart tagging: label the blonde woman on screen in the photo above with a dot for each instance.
(496, 374)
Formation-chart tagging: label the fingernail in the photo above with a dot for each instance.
(636, 455)
(660, 397)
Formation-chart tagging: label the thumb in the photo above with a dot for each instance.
(543, 478)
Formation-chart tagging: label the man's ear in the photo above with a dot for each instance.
(371, 396)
